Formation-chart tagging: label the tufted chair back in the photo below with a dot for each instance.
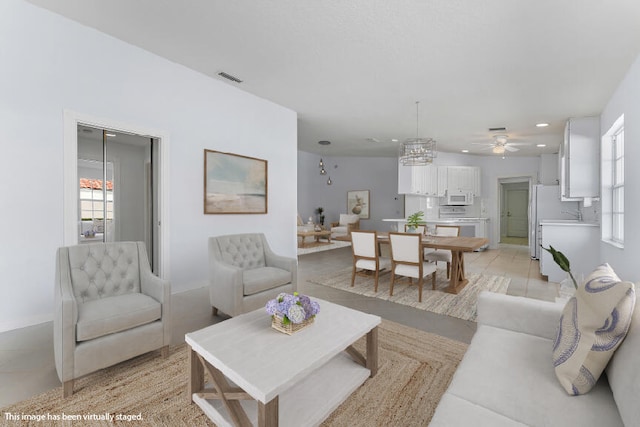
(103, 270)
(245, 251)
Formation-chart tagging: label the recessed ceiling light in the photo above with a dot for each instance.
(111, 135)
(465, 151)
(542, 125)
(394, 140)
(541, 145)
(324, 142)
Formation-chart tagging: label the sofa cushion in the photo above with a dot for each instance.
(593, 324)
(509, 373)
(105, 316)
(264, 278)
(624, 375)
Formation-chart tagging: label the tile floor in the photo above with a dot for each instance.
(26, 355)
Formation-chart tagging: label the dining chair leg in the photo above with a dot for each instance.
(433, 281)
(375, 288)
(393, 278)
(353, 275)
(420, 281)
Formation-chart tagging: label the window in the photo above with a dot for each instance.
(92, 199)
(613, 184)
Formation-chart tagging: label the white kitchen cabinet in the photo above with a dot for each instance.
(418, 180)
(460, 179)
(579, 159)
(578, 241)
(442, 181)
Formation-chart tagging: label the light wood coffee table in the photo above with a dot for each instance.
(266, 378)
(315, 234)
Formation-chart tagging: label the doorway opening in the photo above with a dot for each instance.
(117, 197)
(116, 189)
(514, 210)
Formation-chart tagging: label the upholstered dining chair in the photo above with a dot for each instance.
(443, 254)
(109, 307)
(244, 273)
(406, 260)
(367, 261)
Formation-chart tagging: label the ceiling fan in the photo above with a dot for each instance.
(500, 144)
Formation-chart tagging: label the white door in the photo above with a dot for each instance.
(517, 202)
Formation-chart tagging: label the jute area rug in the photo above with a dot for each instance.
(462, 305)
(415, 368)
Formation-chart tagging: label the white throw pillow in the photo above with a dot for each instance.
(593, 324)
(346, 219)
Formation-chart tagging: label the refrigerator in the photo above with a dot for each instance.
(546, 204)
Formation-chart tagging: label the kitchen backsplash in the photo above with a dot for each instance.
(433, 210)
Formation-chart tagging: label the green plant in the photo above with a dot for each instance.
(415, 219)
(562, 262)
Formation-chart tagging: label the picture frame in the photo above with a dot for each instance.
(234, 184)
(358, 203)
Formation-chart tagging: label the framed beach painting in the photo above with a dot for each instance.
(358, 203)
(234, 184)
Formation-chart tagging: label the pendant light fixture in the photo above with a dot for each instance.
(417, 151)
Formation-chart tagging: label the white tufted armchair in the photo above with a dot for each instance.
(244, 273)
(109, 308)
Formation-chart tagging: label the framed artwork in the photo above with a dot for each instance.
(234, 184)
(358, 203)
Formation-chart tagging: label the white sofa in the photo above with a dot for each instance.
(506, 377)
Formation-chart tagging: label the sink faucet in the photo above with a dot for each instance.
(577, 213)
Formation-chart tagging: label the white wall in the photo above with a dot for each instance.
(63, 65)
(626, 100)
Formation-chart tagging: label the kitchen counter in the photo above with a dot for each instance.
(577, 240)
(568, 222)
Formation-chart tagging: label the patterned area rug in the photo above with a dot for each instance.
(320, 246)
(462, 306)
(415, 368)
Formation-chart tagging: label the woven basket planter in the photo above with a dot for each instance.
(289, 328)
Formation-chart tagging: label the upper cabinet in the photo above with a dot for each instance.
(437, 181)
(418, 180)
(463, 179)
(579, 159)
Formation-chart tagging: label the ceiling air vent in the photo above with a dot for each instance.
(229, 77)
(502, 129)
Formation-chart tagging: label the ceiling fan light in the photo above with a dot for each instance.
(498, 149)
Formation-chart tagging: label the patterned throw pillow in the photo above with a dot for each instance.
(593, 324)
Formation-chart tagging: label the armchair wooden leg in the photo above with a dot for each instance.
(67, 388)
(433, 281)
(214, 310)
(164, 351)
(448, 269)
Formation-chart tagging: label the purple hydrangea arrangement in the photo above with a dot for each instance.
(294, 308)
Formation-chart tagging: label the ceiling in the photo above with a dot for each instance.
(353, 70)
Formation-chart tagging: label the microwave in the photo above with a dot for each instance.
(456, 199)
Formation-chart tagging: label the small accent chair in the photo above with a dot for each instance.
(406, 260)
(109, 307)
(345, 225)
(443, 254)
(244, 273)
(364, 247)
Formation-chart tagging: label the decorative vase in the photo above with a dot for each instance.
(357, 209)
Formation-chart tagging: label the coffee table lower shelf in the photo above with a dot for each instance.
(308, 402)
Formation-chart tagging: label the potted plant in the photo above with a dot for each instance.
(414, 220)
(319, 211)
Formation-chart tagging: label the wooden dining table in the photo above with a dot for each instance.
(458, 245)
